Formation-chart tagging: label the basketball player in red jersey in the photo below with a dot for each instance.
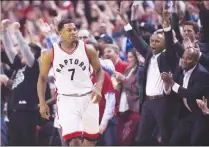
(77, 97)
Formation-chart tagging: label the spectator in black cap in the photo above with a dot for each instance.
(146, 31)
(105, 39)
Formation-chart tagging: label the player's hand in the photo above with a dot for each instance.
(44, 111)
(96, 95)
(102, 128)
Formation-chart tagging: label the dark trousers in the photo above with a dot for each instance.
(154, 115)
(189, 130)
(22, 128)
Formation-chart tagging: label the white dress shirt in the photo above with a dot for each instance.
(154, 85)
(176, 86)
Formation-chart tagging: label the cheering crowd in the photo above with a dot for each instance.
(155, 55)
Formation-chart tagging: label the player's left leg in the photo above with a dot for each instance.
(90, 122)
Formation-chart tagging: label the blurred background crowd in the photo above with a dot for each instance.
(101, 24)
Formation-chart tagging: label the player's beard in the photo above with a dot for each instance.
(74, 41)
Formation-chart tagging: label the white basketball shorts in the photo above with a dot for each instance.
(78, 116)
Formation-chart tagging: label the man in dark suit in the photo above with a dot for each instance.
(191, 80)
(188, 42)
(191, 29)
(159, 57)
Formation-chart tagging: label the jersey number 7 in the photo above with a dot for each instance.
(73, 72)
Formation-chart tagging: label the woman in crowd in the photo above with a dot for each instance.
(129, 98)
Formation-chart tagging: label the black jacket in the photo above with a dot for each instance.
(198, 86)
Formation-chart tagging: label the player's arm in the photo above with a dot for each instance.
(94, 60)
(45, 64)
(46, 60)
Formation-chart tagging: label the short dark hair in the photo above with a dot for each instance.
(62, 23)
(193, 24)
(36, 48)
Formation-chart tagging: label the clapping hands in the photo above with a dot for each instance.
(188, 44)
(167, 79)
